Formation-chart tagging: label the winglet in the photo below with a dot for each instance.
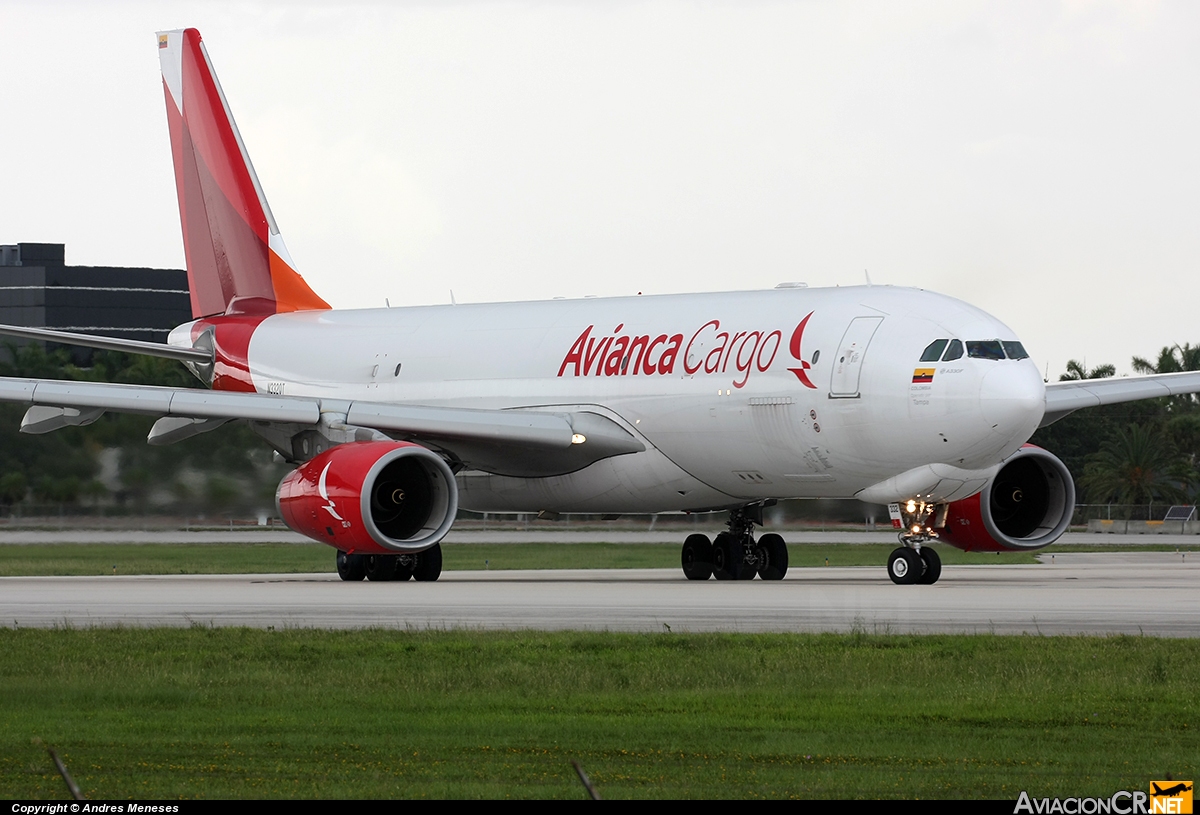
(237, 262)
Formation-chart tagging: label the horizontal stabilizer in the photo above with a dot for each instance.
(152, 349)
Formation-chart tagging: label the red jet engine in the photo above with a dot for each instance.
(1026, 505)
(375, 497)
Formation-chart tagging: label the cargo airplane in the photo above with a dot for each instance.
(1169, 792)
(394, 418)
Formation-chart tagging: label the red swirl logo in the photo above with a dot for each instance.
(794, 347)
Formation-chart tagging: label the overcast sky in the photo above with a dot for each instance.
(1040, 160)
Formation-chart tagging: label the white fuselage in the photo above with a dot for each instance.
(734, 399)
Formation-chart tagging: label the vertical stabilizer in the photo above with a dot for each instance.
(236, 260)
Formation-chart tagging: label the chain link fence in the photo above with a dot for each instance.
(1122, 512)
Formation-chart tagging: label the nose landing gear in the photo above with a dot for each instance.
(735, 555)
(914, 562)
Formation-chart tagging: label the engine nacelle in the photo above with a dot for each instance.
(1026, 505)
(375, 497)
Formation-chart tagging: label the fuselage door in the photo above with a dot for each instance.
(847, 365)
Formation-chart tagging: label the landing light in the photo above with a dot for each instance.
(916, 529)
(578, 438)
(911, 506)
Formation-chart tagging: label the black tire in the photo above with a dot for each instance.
(774, 555)
(746, 571)
(905, 566)
(933, 566)
(696, 557)
(727, 558)
(381, 568)
(351, 567)
(722, 556)
(429, 564)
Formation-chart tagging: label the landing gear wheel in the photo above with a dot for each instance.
(697, 557)
(905, 566)
(404, 567)
(351, 567)
(724, 549)
(774, 556)
(748, 570)
(933, 566)
(727, 557)
(381, 568)
(429, 564)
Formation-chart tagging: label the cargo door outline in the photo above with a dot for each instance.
(852, 350)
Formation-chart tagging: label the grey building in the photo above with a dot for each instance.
(39, 290)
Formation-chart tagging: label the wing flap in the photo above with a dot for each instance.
(449, 424)
(121, 398)
(17, 390)
(159, 401)
(256, 406)
(520, 443)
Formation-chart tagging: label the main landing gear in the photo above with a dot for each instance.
(914, 562)
(735, 555)
(423, 566)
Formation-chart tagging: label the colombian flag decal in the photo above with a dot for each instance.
(922, 375)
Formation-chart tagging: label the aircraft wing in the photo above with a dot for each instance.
(509, 442)
(1067, 397)
(158, 401)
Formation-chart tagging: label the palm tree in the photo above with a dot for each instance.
(1136, 466)
(1076, 370)
(1173, 359)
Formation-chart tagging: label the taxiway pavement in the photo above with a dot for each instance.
(1152, 593)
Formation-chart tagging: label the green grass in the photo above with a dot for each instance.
(161, 713)
(56, 559)
(257, 558)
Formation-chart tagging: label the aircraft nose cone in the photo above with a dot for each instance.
(1012, 398)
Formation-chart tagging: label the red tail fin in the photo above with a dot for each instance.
(236, 260)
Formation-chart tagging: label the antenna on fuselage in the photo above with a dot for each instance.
(452, 300)
(868, 276)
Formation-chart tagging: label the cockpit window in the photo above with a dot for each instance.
(985, 349)
(947, 350)
(934, 350)
(1015, 350)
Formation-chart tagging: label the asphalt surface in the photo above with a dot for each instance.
(1152, 593)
